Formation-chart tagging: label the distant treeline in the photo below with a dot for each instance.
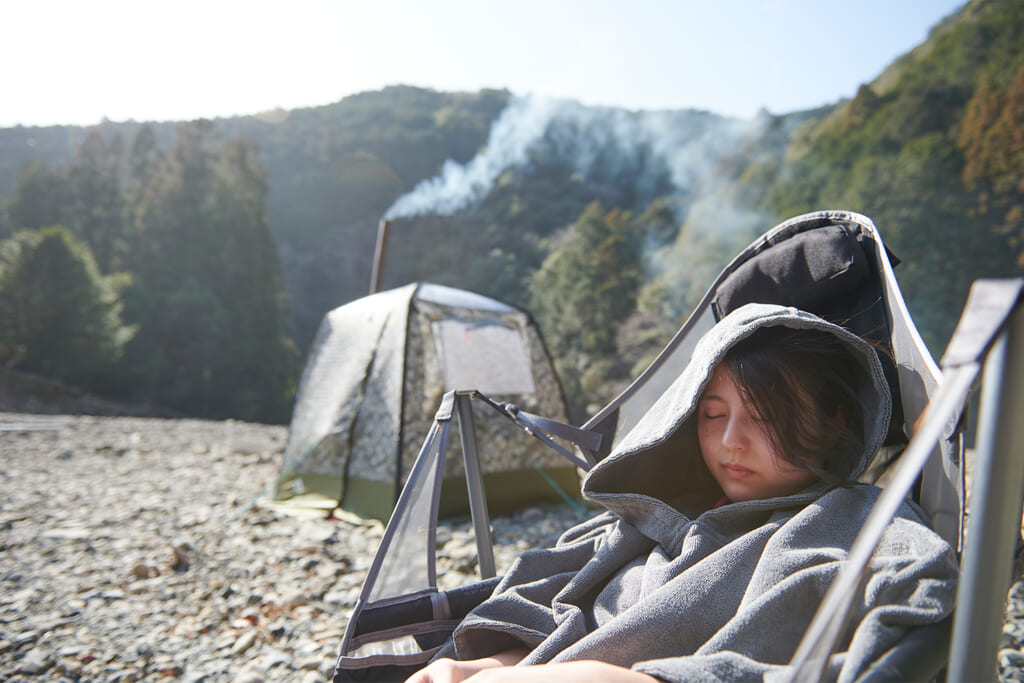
(150, 276)
(188, 266)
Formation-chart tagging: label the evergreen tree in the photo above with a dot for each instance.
(95, 209)
(39, 198)
(262, 362)
(585, 288)
(209, 301)
(58, 316)
(143, 156)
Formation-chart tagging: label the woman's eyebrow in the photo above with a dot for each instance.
(711, 397)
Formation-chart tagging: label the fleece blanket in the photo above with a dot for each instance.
(667, 584)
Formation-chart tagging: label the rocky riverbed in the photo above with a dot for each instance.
(131, 550)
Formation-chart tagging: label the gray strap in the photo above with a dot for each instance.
(440, 607)
(533, 426)
(581, 437)
(543, 428)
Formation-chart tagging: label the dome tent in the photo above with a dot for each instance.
(376, 373)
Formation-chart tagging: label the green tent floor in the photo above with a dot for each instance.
(507, 492)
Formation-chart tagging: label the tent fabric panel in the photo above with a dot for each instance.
(448, 297)
(548, 399)
(423, 388)
(503, 446)
(363, 498)
(331, 388)
(375, 434)
(487, 356)
(513, 490)
(312, 490)
(367, 498)
(509, 491)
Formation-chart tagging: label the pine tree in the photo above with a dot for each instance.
(584, 290)
(262, 364)
(95, 208)
(39, 198)
(58, 316)
(209, 299)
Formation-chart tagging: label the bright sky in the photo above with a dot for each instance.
(75, 62)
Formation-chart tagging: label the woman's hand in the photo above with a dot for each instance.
(567, 672)
(451, 671)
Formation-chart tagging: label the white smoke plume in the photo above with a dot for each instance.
(520, 125)
(682, 146)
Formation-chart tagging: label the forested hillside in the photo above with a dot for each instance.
(933, 151)
(205, 253)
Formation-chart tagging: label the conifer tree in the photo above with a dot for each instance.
(58, 316)
(95, 208)
(209, 300)
(585, 288)
(39, 197)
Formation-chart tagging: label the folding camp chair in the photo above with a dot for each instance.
(990, 336)
(831, 263)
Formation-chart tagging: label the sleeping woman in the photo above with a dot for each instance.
(730, 508)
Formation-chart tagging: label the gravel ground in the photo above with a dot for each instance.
(130, 550)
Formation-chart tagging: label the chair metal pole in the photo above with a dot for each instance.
(475, 483)
(997, 494)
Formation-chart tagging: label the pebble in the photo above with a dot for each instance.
(134, 550)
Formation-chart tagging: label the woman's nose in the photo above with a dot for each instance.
(735, 436)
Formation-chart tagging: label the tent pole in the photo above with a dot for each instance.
(380, 255)
(475, 482)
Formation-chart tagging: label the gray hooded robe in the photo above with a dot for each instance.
(665, 584)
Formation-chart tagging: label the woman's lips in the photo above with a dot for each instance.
(737, 471)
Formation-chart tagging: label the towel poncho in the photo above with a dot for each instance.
(667, 584)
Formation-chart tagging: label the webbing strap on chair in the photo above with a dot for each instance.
(545, 428)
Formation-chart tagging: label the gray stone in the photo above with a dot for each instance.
(35, 662)
(249, 676)
(1011, 658)
(244, 642)
(313, 663)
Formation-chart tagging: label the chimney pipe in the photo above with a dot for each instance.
(380, 255)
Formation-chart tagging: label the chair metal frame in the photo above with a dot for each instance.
(989, 337)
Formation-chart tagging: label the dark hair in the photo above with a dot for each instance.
(801, 386)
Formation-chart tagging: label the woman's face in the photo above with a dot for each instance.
(737, 449)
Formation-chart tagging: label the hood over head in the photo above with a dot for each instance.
(657, 467)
